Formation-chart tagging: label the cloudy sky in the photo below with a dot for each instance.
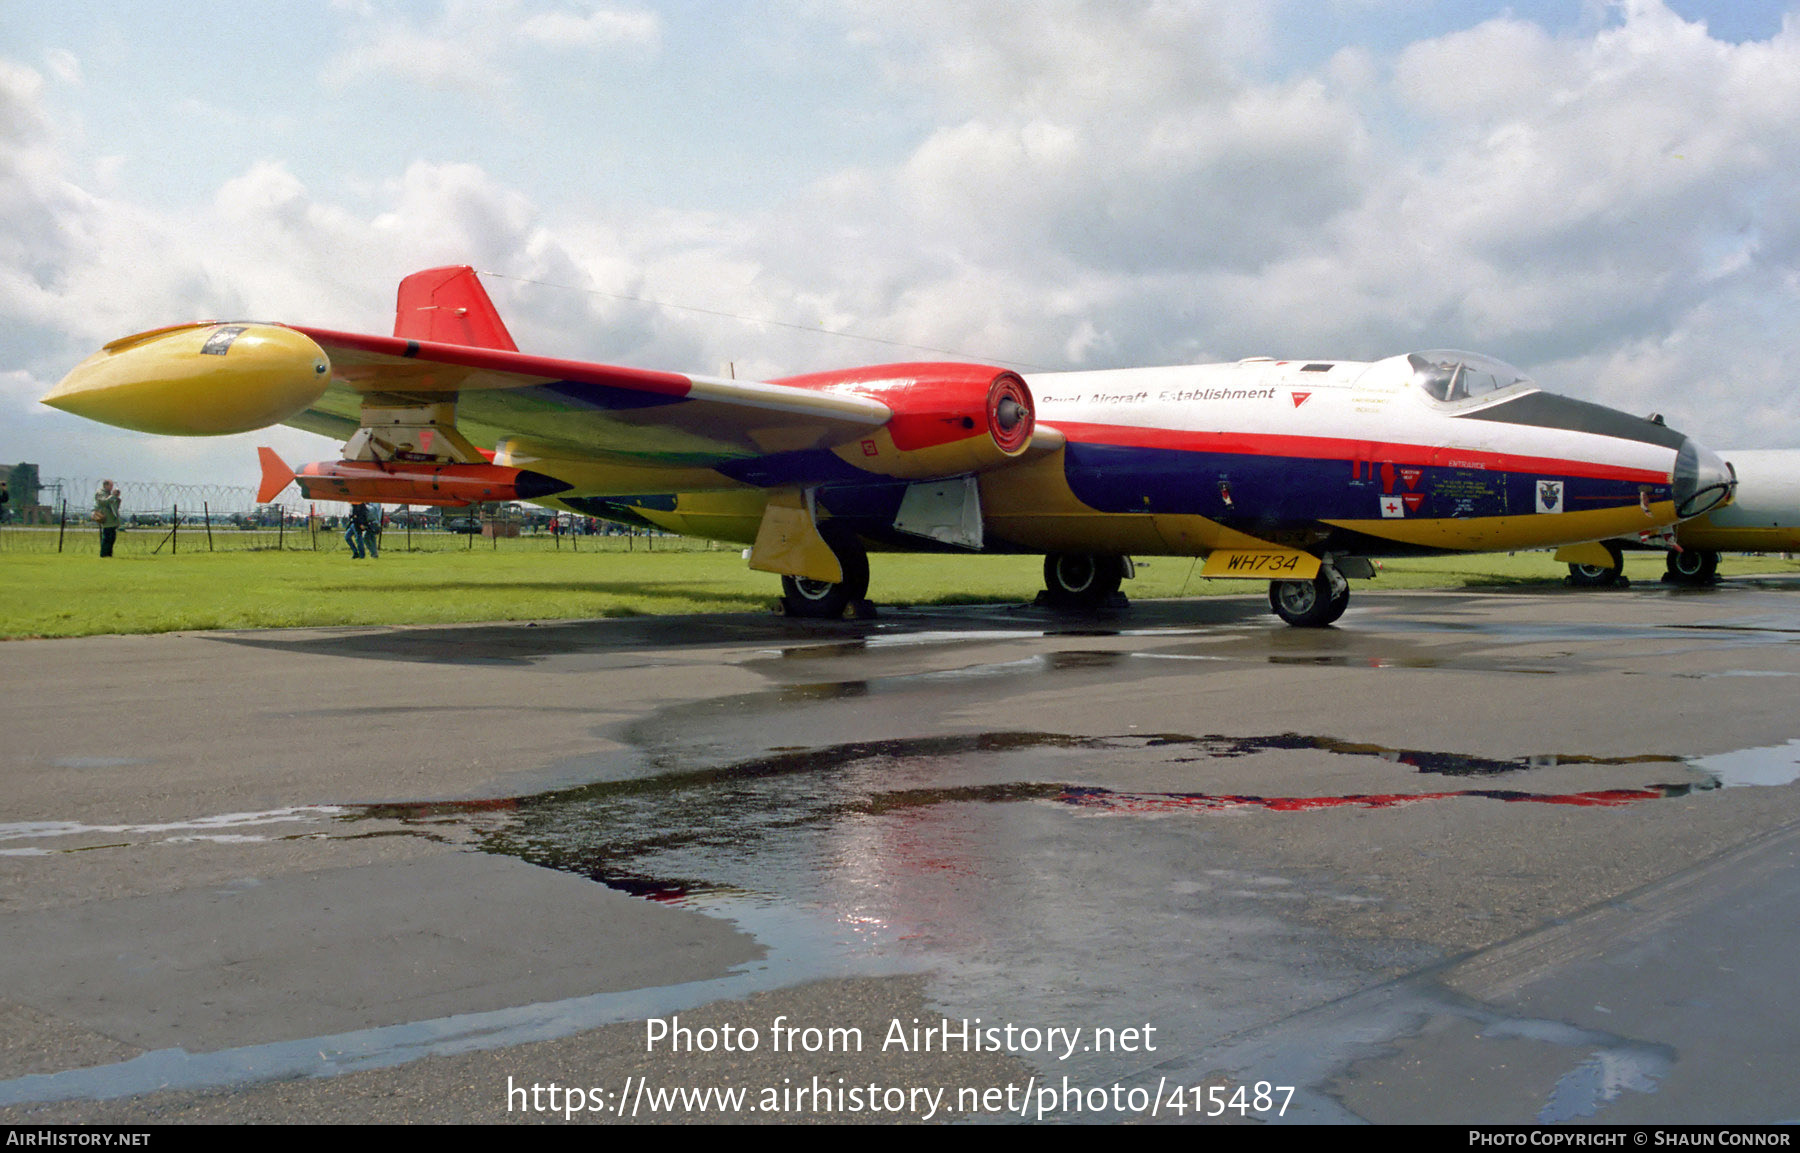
(1606, 194)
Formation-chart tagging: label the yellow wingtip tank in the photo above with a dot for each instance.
(204, 379)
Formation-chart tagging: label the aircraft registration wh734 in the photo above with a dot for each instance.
(1297, 472)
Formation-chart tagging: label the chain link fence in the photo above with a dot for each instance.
(162, 519)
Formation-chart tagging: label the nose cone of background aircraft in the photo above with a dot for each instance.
(1702, 480)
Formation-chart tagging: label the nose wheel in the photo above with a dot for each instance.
(1310, 604)
(1594, 576)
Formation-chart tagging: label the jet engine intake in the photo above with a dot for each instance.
(949, 419)
(1702, 480)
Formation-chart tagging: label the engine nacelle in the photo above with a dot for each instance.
(949, 419)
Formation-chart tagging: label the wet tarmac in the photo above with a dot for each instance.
(1498, 856)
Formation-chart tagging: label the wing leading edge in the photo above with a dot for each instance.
(631, 414)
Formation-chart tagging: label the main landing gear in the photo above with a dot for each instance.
(1080, 580)
(1311, 604)
(1693, 566)
(823, 600)
(1593, 576)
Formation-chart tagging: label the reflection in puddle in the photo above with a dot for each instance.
(198, 829)
(1193, 802)
(1775, 765)
(956, 636)
(822, 651)
(1426, 761)
(758, 826)
(604, 830)
(825, 691)
(1598, 1081)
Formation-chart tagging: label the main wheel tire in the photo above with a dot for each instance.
(1082, 580)
(1339, 603)
(1693, 566)
(1593, 576)
(1308, 604)
(823, 600)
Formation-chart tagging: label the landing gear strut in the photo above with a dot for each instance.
(1595, 576)
(1311, 604)
(1693, 566)
(823, 600)
(1080, 580)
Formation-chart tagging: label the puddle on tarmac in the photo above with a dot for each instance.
(800, 813)
(600, 829)
(218, 829)
(1774, 765)
(958, 854)
(1184, 802)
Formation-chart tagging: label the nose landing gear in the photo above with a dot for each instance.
(1593, 576)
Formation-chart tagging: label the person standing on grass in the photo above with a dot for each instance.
(106, 515)
(354, 530)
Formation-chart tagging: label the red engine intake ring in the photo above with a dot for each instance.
(1011, 415)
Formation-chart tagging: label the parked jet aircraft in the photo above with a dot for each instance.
(1763, 516)
(1291, 471)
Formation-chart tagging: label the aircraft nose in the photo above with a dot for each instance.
(1702, 480)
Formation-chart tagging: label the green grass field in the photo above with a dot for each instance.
(77, 593)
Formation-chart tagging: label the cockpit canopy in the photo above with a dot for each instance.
(1448, 375)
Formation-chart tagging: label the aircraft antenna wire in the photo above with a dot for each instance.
(815, 330)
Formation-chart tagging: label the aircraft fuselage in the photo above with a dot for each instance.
(1319, 456)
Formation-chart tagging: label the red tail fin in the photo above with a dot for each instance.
(276, 475)
(450, 306)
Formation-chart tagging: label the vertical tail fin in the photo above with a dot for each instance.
(276, 475)
(449, 305)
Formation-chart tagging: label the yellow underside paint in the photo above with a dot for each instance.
(161, 382)
(1266, 565)
(1030, 505)
(877, 453)
(1702, 533)
(733, 516)
(1591, 553)
(1504, 533)
(788, 542)
(591, 476)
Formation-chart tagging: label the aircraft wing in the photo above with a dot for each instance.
(644, 416)
(451, 387)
